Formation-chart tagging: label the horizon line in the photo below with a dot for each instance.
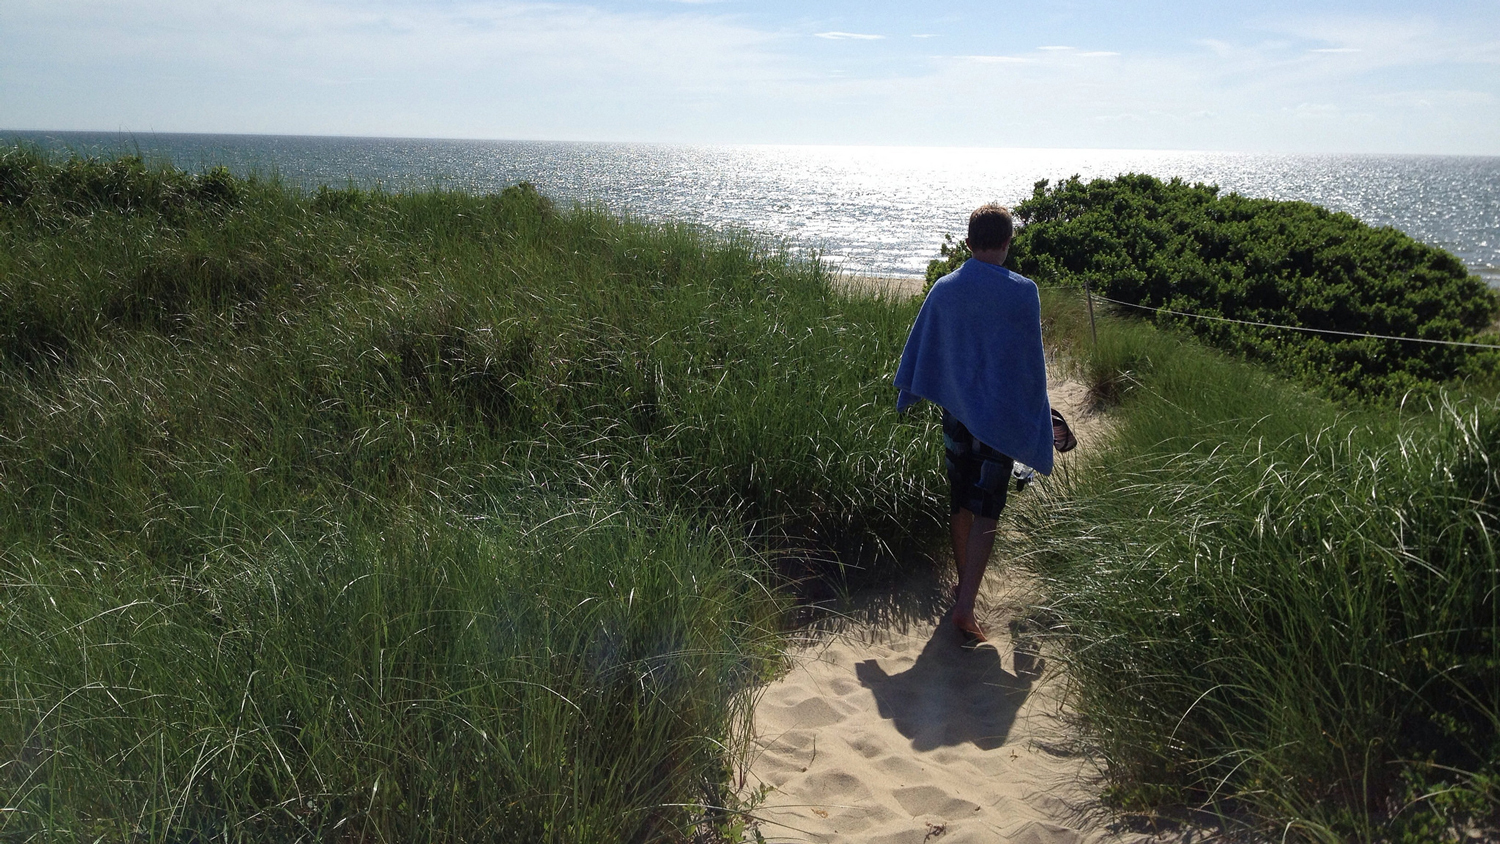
(825, 145)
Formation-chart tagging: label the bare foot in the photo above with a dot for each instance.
(969, 627)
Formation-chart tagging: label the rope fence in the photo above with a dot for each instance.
(1092, 295)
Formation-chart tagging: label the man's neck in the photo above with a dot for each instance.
(991, 256)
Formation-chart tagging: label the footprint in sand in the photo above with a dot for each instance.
(903, 770)
(867, 745)
(813, 713)
(931, 800)
(833, 788)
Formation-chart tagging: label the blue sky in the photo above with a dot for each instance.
(1272, 76)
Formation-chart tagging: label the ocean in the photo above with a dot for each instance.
(868, 210)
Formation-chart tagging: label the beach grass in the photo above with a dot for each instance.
(1277, 609)
(363, 516)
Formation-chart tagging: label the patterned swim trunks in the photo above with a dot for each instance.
(978, 475)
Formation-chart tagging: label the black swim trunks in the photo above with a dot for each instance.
(977, 474)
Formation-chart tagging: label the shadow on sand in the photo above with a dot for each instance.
(953, 694)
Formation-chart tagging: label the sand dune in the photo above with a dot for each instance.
(887, 730)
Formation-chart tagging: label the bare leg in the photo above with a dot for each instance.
(978, 542)
(960, 524)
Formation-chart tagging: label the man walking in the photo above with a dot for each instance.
(976, 351)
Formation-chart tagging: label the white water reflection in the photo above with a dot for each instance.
(877, 210)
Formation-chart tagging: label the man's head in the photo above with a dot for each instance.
(989, 228)
(990, 231)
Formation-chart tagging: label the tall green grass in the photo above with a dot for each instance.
(1277, 609)
(418, 517)
(432, 517)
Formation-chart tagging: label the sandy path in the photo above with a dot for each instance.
(899, 286)
(886, 730)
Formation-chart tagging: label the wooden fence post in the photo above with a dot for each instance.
(1093, 329)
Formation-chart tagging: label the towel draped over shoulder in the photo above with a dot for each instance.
(976, 349)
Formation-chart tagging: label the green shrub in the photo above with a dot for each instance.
(30, 183)
(1185, 248)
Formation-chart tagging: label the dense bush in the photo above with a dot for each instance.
(428, 517)
(1186, 248)
(50, 192)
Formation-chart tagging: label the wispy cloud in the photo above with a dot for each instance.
(697, 71)
(1390, 41)
(394, 38)
(997, 59)
(1264, 86)
(469, 68)
(1429, 98)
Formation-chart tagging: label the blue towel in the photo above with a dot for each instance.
(976, 349)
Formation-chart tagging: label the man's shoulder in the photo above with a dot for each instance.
(978, 273)
(1007, 274)
(1017, 277)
